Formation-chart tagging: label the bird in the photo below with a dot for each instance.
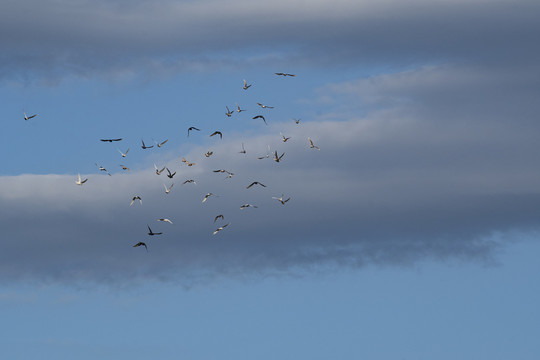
(246, 206)
(207, 196)
(284, 74)
(229, 112)
(187, 162)
(136, 197)
(296, 120)
(141, 244)
(265, 156)
(311, 145)
(221, 228)
(161, 143)
(124, 167)
(280, 199)
(111, 140)
(284, 138)
(165, 220)
(79, 181)
(192, 128)
(243, 151)
(208, 153)
(260, 117)
(29, 117)
(101, 168)
(276, 157)
(246, 86)
(265, 106)
(219, 216)
(144, 145)
(123, 154)
(238, 108)
(170, 175)
(255, 183)
(189, 181)
(151, 233)
(158, 172)
(168, 189)
(230, 174)
(217, 133)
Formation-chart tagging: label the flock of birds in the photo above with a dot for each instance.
(170, 174)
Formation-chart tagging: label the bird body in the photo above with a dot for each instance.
(221, 228)
(165, 220)
(280, 199)
(311, 145)
(151, 233)
(144, 145)
(136, 197)
(79, 181)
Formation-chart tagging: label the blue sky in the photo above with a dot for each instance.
(410, 234)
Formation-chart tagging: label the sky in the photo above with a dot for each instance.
(412, 226)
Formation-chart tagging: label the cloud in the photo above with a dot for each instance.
(405, 172)
(103, 38)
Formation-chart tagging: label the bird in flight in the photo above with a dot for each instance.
(151, 233)
(243, 151)
(111, 140)
(283, 138)
(217, 133)
(276, 157)
(123, 154)
(246, 86)
(144, 145)
(284, 74)
(280, 199)
(101, 168)
(219, 216)
(189, 181)
(124, 167)
(29, 117)
(267, 154)
(165, 220)
(206, 197)
(192, 128)
(296, 120)
(141, 244)
(170, 175)
(229, 112)
(246, 206)
(265, 106)
(221, 228)
(260, 117)
(208, 153)
(158, 172)
(79, 181)
(311, 145)
(136, 197)
(161, 143)
(168, 189)
(187, 162)
(255, 183)
(238, 108)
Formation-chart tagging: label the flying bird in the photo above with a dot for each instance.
(141, 244)
(79, 181)
(296, 120)
(206, 197)
(267, 154)
(165, 220)
(284, 74)
(243, 151)
(238, 108)
(192, 128)
(124, 167)
(229, 112)
(221, 228)
(260, 117)
(187, 162)
(189, 181)
(276, 157)
(29, 117)
(208, 153)
(280, 199)
(151, 233)
(311, 145)
(255, 183)
(101, 168)
(246, 86)
(170, 175)
(161, 143)
(123, 154)
(111, 140)
(219, 216)
(136, 197)
(283, 138)
(265, 106)
(144, 145)
(217, 133)
(158, 171)
(246, 206)
(168, 189)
